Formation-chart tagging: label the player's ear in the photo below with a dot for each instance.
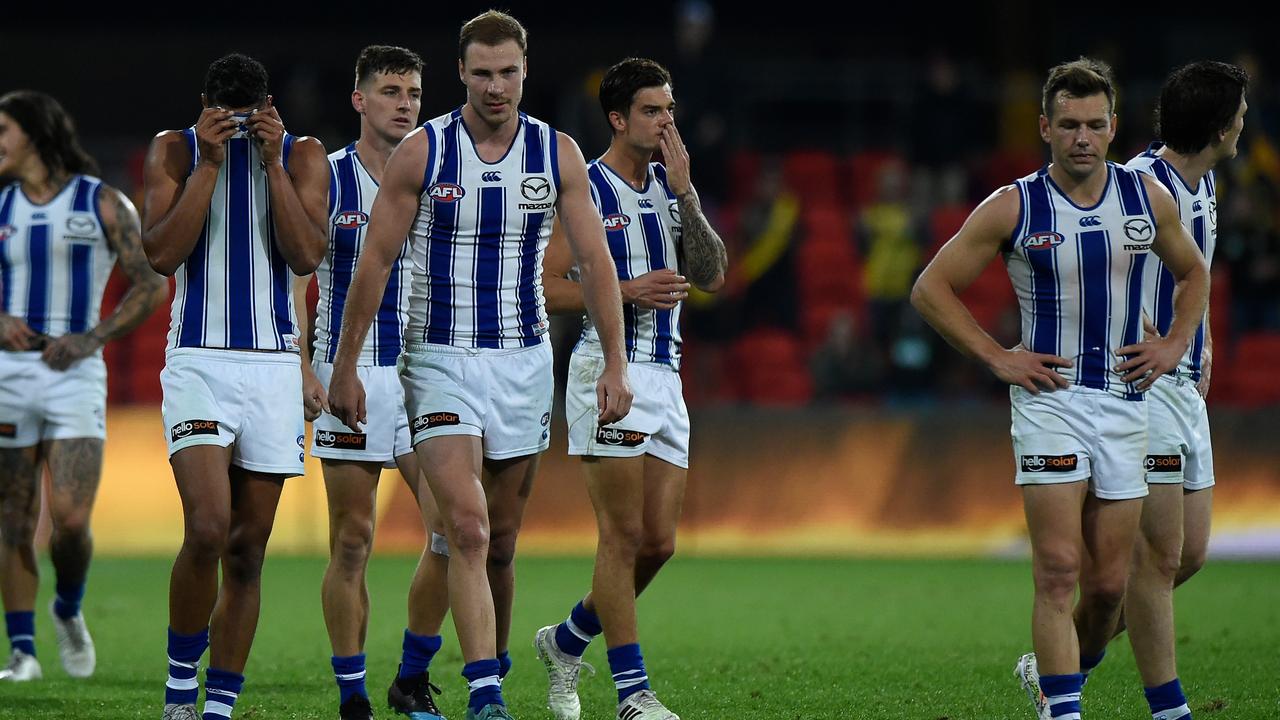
(1044, 128)
(1112, 135)
(357, 100)
(525, 62)
(462, 75)
(617, 121)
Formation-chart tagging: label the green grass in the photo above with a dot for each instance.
(723, 638)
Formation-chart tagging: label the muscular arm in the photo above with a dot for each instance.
(959, 262)
(147, 290)
(705, 258)
(314, 397)
(299, 204)
(657, 289)
(175, 205)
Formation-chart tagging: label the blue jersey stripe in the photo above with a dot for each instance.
(1199, 234)
(444, 228)
(195, 278)
(387, 349)
(344, 248)
(6, 270)
(488, 269)
(553, 141)
(431, 158)
(1095, 273)
(240, 321)
(533, 155)
(1133, 300)
(83, 195)
(655, 249)
(617, 240)
(81, 287)
(38, 291)
(527, 296)
(1130, 194)
(1044, 270)
(280, 286)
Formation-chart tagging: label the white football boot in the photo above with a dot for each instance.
(562, 675)
(21, 668)
(1027, 672)
(75, 647)
(174, 711)
(644, 705)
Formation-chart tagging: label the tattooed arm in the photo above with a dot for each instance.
(705, 258)
(146, 289)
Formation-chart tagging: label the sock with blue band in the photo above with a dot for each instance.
(185, 651)
(575, 633)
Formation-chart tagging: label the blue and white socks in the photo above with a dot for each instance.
(417, 653)
(1062, 692)
(185, 651)
(627, 666)
(486, 687)
(66, 601)
(576, 632)
(349, 671)
(221, 688)
(1167, 701)
(21, 627)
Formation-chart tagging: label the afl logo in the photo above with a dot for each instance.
(535, 188)
(446, 192)
(1042, 241)
(351, 220)
(6, 232)
(1137, 229)
(617, 221)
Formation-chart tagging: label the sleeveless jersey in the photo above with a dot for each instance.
(644, 232)
(1198, 210)
(1078, 274)
(479, 238)
(54, 258)
(233, 291)
(351, 194)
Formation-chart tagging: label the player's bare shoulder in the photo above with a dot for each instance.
(996, 217)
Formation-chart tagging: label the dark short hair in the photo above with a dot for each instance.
(236, 81)
(1079, 78)
(386, 59)
(50, 130)
(492, 28)
(622, 81)
(1197, 102)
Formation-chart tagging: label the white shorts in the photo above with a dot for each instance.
(386, 431)
(252, 400)
(1077, 433)
(501, 396)
(1178, 447)
(40, 403)
(657, 425)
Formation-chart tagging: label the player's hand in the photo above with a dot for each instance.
(214, 128)
(613, 394)
(314, 398)
(61, 352)
(1032, 371)
(676, 159)
(656, 289)
(267, 128)
(15, 334)
(1148, 360)
(346, 398)
(1206, 367)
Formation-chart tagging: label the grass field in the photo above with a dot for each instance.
(723, 638)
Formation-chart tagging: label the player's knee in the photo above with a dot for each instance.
(1190, 564)
(205, 539)
(1057, 573)
(502, 547)
(352, 544)
(627, 538)
(1104, 592)
(657, 551)
(243, 564)
(70, 523)
(470, 534)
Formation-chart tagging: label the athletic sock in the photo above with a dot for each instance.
(185, 652)
(1088, 663)
(627, 666)
(221, 688)
(576, 632)
(22, 630)
(1167, 701)
(504, 664)
(417, 652)
(349, 672)
(66, 602)
(482, 679)
(1062, 692)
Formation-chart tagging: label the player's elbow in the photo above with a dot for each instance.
(307, 259)
(159, 261)
(713, 284)
(920, 293)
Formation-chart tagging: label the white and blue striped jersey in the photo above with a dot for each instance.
(351, 194)
(1078, 274)
(54, 258)
(1198, 210)
(479, 238)
(644, 233)
(233, 291)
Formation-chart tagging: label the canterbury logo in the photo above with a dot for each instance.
(1090, 221)
(491, 177)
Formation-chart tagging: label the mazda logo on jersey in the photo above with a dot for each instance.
(620, 438)
(491, 177)
(1042, 241)
(1049, 463)
(1213, 211)
(341, 440)
(81, 225)
(535, 188)
(445, 192)
(674, 209)
(616, 221)
(1090, 221)
(436, 419)
(350, 220)
(193, 427)
(1137, 229)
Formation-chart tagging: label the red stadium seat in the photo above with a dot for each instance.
(944, 223)
(768, 369)
(814, 175)
(864, 170)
